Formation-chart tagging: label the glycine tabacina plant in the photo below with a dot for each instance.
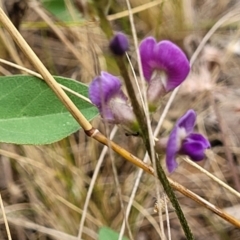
(165, 67)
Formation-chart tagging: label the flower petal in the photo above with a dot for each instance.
(199, 138)
(187, 121)
(194, 146)
(146, 50)
(170, 58)
(102, 88)
(194, 149)
(172, 149)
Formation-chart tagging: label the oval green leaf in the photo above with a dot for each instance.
(106, 233)
(59, 9)
(30, 112)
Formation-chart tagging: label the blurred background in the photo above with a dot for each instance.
(44, 188)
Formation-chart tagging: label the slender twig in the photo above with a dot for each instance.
(142, 7)
(226, 144)
(136, 82)
(215, 179)
(167, 216)
(5, 219)
(223, 129)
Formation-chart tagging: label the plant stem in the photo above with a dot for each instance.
(137, 109)
(172, 197)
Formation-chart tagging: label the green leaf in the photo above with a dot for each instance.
(106, 233)
(30, 112)
(58, 9)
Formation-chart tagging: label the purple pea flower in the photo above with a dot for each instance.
(106, 94)
(182, 140)
(165, 67)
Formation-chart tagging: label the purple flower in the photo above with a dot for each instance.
(119, 44)
(106, 94)
(165, 67)
(182, 140)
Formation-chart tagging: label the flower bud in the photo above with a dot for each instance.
(119, 44)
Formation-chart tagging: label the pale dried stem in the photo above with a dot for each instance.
(215, 179)
(226, 144)
(5, 219)
(167, 216)
(138, 9)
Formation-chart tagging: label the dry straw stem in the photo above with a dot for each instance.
(5, 219)
(233, 191)
(88, 127)
(140, 8)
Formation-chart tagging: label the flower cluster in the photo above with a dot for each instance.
(165, 67)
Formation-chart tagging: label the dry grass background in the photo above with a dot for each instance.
(44, 187)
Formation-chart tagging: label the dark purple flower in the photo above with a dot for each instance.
(105, 92)
(165, 67)
(182, 140)
(119, 44)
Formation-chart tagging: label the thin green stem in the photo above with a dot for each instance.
(171, 195)
(138, 110)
